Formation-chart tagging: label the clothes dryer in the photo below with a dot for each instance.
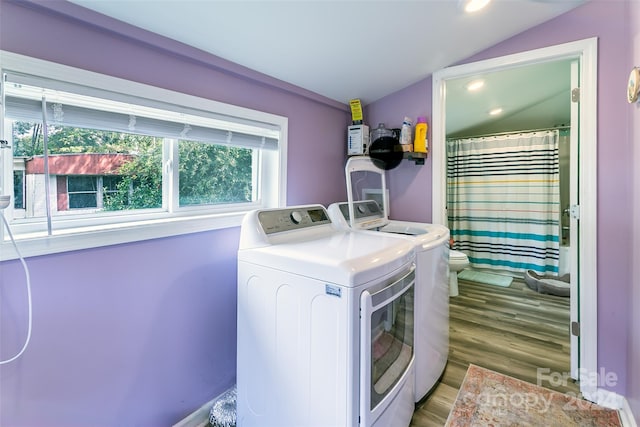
(431, 242)
(325, 323)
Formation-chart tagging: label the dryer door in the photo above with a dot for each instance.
(386, 350)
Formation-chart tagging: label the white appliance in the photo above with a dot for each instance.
(357, 140)
(431, 242)
(325, 323)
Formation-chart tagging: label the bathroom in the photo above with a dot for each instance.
(545, 105)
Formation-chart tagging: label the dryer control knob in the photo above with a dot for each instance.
(296, 217)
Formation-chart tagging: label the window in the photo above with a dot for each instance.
(18, 189)
(88, 152)
(82, 192)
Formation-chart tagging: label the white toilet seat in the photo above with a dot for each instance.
(457, 256)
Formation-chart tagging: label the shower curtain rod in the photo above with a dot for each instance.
(513, 132)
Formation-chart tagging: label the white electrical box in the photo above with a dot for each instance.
(357, 140)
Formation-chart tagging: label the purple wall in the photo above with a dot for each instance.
(143, 333)
(409, 184)
(137, 334)
(633, 374)
(610, 22)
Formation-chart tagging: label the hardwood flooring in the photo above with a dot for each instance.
(514, 330)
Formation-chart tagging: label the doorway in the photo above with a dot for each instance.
(584, 202)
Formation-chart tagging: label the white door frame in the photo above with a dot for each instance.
(586, 52)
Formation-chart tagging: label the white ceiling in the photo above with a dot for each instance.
(535, 96)
(345, 49)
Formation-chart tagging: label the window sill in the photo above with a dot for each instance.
(113, 234)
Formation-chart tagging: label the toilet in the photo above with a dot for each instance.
(458, 261)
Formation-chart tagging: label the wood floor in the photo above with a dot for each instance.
(513, 330)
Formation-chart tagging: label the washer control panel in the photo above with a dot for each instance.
(368, 215)
(362, 209)
(279, 220)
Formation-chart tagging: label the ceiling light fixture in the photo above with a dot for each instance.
(471, 6)
(495, 111)
(474, 85)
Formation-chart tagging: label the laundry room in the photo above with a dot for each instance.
(119, 269)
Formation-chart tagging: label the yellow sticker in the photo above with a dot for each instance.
(356, 110)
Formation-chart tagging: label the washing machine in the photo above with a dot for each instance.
(431, 242)
(325, 323)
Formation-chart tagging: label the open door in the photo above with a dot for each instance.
(574, 220)
(584, 195)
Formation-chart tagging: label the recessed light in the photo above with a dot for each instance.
(474, 85)
(495, 111)
(471, 6)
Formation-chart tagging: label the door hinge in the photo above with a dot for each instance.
(575, 329)
(575, 94)
(574, 211)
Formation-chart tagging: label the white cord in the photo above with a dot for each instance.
(26, 272)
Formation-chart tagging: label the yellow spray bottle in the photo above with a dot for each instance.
(420, 143)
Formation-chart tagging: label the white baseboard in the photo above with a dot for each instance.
(198, 418)
(626, 416)
(612, 400)
(606, 398)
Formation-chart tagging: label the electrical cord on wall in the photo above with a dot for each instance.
(26, 272)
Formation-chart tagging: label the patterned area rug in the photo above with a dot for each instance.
(487, 398)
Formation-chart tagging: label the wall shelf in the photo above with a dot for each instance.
(418, 158)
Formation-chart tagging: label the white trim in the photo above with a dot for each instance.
(611, 400)
(55, 71)
(116, 229)
(588, 194)
(626, 415)
(606, 399)
(586, 52)
(122, 233)
(199, 417)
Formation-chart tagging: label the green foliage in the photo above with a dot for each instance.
(213, 174)
(28, 140)
(141, 184)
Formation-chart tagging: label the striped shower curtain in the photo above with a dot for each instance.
(503, 200)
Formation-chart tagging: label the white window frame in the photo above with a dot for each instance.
(117, 227)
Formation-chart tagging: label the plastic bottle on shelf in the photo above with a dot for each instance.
(420, 144)
(405, 131)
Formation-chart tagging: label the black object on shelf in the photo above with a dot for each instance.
(385, 152)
